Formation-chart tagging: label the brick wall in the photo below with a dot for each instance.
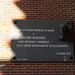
(45, 10)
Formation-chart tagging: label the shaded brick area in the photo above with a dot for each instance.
(38, 68)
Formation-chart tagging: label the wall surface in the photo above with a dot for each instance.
(43, 10)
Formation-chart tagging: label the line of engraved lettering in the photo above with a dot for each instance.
(63, 53)
(33, 37)
(39, 45)
(58, 45)
(26, 41)
(26, 37)
(25, 45)
(38, 37)
(38, 30)
(42, 41)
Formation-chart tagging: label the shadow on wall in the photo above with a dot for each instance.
(34, 9)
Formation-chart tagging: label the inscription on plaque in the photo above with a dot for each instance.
(43, 40)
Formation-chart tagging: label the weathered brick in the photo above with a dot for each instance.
(43, 10)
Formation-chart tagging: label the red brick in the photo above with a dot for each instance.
(44, 10)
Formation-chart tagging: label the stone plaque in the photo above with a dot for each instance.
(43, 40)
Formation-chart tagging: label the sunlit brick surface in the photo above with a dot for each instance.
(8, 12)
